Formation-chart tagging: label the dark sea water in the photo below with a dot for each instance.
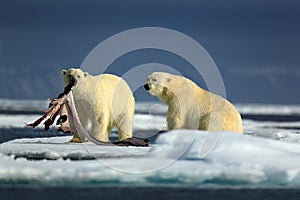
(136, 193)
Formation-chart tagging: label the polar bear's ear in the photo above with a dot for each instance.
(63, 72)
(86, 73)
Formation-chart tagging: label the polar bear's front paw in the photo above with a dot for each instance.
(75, 140)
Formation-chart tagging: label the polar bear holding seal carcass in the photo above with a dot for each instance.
(105, 100)
(191, 107)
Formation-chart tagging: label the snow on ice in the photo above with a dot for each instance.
(174, 159)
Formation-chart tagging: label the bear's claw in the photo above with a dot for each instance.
(75, 140)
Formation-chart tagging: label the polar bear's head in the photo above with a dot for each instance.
(158, 83)
(74, 76)
(168, 86)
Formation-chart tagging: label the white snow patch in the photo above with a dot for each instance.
(268, 109)
(286, 131)
(148, 122)
(58, 147)
(16, 121)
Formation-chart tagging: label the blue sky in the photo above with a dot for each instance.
(255, 44)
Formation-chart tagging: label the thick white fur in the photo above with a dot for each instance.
(105, 100)
(191, 107)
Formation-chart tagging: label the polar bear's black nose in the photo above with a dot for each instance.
(71, 80)
(147, 87)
